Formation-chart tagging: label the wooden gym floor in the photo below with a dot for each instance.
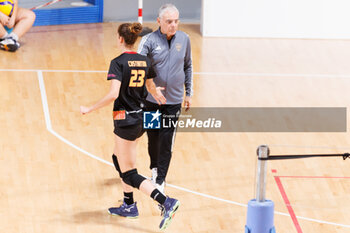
(55, 165)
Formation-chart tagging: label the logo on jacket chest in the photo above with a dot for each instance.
(178, 46)
(158, 48)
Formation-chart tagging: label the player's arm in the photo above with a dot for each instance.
(111, 96)
(12, 20)
(156, 92)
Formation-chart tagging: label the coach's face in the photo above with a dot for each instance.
(169, 23)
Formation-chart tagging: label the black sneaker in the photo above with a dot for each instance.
(9, 44)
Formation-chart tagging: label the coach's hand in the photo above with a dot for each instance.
(158, 95)
(187, 103)
(156, 92)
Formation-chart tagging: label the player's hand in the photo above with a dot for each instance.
(187, 103)
(84, 110)
(4, 19)
(11, 22)
(158, 95)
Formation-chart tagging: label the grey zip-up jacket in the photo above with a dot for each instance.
(173, 65)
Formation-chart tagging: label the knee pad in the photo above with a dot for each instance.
(116, 165)
(132, 178)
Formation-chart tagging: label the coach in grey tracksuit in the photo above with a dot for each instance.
(170, 54)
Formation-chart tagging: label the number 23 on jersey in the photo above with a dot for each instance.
(137, 78)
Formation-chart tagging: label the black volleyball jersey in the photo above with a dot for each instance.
(132, 70)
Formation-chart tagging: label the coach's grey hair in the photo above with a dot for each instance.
(166, 7)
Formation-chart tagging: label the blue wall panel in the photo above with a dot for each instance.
(73, 15)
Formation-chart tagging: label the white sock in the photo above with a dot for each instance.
(14, 36)
(6, 34)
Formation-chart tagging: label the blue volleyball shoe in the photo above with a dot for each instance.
(170, 206)
(127, 211)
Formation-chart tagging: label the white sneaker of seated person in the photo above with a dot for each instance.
(9, 44)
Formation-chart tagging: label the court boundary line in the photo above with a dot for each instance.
(48, 120)
(197, 73)
(287, 203)
(285, 197)
(46, 112)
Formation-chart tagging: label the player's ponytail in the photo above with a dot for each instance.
(130, 32)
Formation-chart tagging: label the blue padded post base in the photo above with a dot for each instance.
(260, 217)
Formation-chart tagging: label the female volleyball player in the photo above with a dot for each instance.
(14, 25)
(127, 73)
